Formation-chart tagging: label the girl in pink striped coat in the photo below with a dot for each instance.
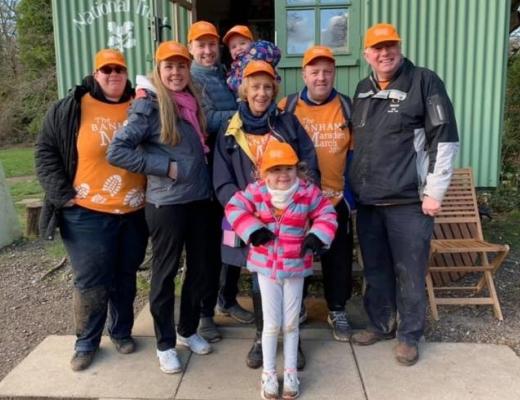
(285, 219)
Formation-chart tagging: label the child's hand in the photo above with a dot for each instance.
(312, 243)
(261, 236)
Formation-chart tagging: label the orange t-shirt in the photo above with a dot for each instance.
(383, 84)
(257, 145)
(325, 124)
(99, 185)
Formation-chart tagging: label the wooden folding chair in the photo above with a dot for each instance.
(458, 248)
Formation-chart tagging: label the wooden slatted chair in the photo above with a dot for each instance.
(458, 248)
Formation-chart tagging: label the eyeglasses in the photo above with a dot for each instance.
(108, 70)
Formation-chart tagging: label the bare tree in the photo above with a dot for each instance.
(8, 52)
(514, 20)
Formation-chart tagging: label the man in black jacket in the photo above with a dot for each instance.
(405, 142)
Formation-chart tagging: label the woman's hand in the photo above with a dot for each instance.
(70, 203)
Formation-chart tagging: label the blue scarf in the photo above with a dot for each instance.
(252, 123)
(304, 95)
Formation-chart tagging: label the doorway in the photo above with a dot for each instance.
(258, 15)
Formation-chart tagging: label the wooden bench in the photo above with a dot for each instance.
(458, 248)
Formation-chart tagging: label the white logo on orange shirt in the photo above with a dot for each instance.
(105, 127)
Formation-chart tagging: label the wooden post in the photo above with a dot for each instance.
(32, 218)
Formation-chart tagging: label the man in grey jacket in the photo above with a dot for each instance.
(405, 142)
(219, 104)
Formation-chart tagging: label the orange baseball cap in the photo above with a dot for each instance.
(317, 52)
(277, 153)
(258, 66)
(109, 57)
(379, 33)
(202, 28)
(171, 48)
(241, 30)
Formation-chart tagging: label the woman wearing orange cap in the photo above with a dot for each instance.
(98, 207)
(238, 153)
(165, 139)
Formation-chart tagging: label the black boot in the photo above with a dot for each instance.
(255, 357)
(300, 362)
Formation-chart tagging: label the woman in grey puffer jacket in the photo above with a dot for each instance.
(164, 138)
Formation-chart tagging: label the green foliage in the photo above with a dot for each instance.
(35, 39)
(503, 229)
(17, 161)
(511, 140)
(503, 199)
(26, 96)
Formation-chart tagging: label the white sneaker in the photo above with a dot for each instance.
(169, 362)
(269, 384)
(195, 343)
(291, 385)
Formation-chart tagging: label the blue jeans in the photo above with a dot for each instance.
(105, 251)
(395, 244)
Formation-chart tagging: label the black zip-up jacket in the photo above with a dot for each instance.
(405, 138)
(56, 154)
(233, 170)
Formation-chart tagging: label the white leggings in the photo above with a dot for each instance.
(281, 302)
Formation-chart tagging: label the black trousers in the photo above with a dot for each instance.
(336, 263)
(173, 228)
(223, 278)
(395, 242)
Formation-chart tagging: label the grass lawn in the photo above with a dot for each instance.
(17, 161)
(18, 164)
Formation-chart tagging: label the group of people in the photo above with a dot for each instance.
(210, 164)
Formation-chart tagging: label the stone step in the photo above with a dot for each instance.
(446, 371)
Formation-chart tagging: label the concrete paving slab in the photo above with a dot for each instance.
(445, 371)
(45, 373)
(224, 375)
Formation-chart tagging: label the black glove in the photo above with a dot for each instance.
(261, 236)
(311, 242)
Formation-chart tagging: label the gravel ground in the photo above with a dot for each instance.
(34, 305)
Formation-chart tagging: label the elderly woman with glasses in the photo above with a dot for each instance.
(97, 207)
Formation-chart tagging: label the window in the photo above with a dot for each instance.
(301, 24)
(326, 25)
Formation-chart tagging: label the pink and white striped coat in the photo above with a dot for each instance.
(309, 212)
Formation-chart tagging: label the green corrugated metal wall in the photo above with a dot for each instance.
(81, 29)
(465, 42)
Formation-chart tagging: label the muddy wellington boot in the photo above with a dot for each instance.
(88, 305)
(255, 357)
